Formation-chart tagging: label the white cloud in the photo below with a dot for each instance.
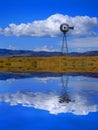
(84, 42)
(12, 47)
(45, 48)
(84, 26)
(80, 105)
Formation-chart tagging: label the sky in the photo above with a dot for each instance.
(34, 24)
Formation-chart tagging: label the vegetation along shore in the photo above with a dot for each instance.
(50, 64)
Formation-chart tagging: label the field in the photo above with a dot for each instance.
(50, 64)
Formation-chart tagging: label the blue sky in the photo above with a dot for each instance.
(34, 24)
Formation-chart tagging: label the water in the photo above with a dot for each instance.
(49, 101)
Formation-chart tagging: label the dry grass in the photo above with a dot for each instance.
(50, 64)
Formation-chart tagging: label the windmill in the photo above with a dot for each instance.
(65, 28)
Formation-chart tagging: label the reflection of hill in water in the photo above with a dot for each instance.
(9, 75)
(50, 102)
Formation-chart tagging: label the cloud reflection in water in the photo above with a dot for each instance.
(78, 105)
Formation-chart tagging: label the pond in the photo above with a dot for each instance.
(48, 101)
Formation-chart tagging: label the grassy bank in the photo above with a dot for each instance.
(50, 64)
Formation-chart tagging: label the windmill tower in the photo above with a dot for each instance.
(64, 98)
(65, 28)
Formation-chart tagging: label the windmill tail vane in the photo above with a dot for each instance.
(71, 28)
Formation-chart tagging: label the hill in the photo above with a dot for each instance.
(19, 53)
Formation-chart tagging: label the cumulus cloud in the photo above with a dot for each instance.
(51, 102)
(45, 48)
(84, 26)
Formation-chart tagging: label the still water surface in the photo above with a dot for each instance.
(49, 102)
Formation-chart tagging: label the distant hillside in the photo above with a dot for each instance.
(18, 53)
(89, 53)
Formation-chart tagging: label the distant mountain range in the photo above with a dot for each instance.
(19, 53)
